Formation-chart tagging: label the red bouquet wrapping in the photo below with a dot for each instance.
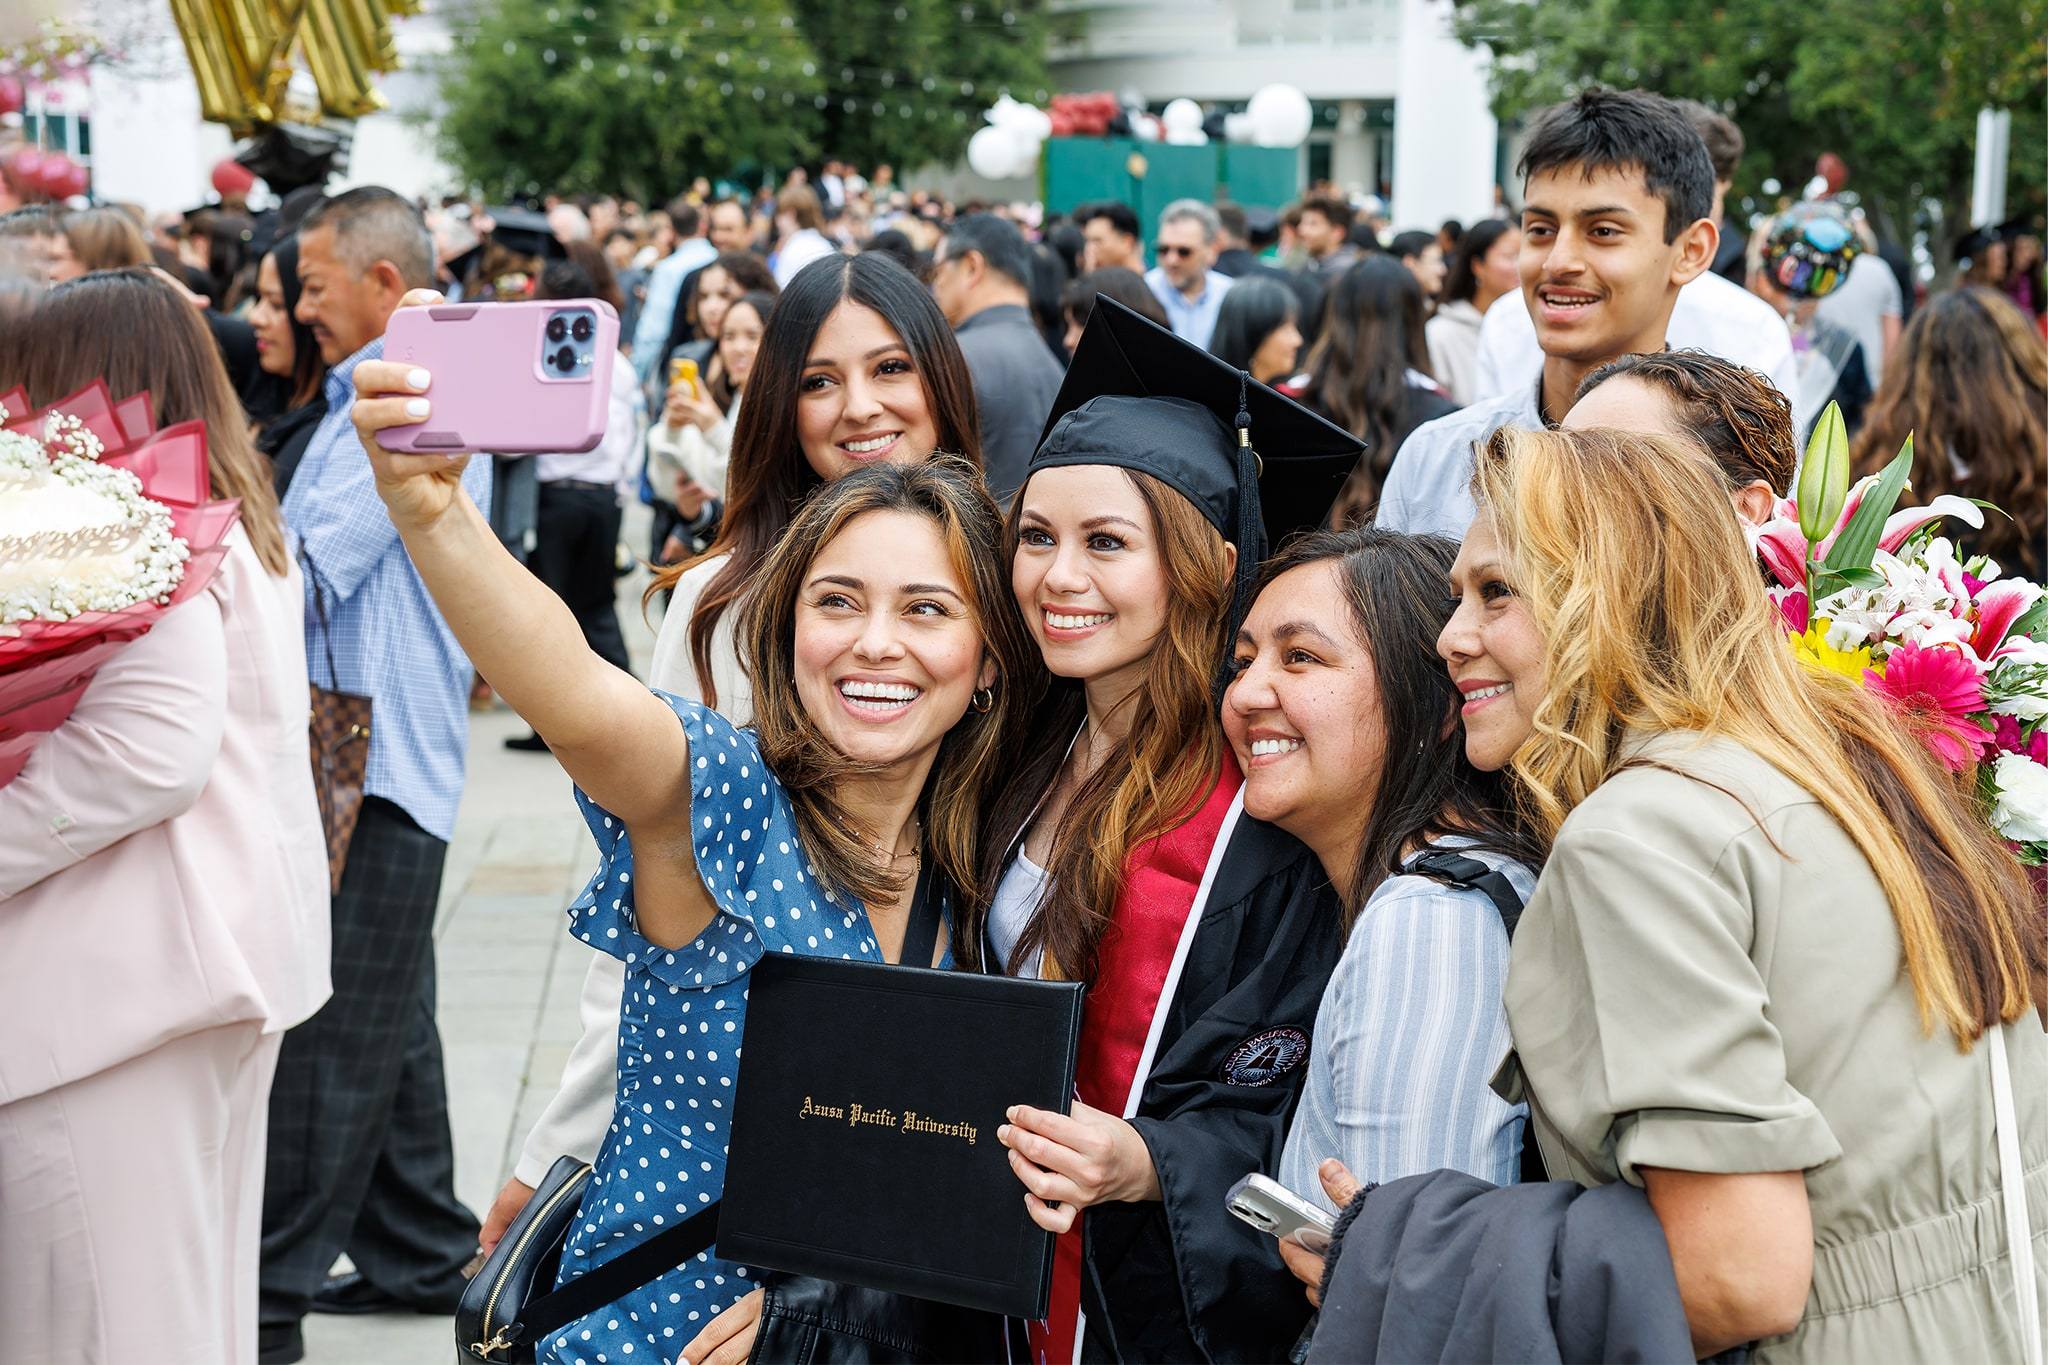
(49, 653)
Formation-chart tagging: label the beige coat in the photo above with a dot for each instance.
(1709, 978)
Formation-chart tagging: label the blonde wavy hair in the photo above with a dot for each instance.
(1629, 556)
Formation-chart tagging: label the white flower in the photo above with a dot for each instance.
(2020, 810)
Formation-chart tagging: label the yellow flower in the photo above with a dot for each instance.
(1813, 650)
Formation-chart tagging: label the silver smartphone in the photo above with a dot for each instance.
(1280, 1213)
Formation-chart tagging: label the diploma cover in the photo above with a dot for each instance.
(863, 1144)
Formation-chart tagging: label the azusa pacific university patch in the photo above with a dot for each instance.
(1265, 1057)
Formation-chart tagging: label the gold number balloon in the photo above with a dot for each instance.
(240, 53)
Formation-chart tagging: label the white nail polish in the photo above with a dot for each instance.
(419, 379)
(416, 407)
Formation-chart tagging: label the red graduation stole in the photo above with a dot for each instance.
(1161, 880)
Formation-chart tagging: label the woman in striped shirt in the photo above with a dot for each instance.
(1346, 724)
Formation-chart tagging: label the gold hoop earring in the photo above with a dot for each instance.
(982, 700)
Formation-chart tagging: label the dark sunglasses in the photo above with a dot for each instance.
(1165, 250)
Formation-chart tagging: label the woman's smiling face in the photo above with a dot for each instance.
(888, 651)
(861, 399)
(1494, 651)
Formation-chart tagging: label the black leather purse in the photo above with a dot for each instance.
(500, 1316)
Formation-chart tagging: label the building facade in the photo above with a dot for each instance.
(1400, 105)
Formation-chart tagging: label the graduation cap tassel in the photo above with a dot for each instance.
(1251, 526)
(1244, 411)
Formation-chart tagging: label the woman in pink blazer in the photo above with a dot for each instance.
(163, 905)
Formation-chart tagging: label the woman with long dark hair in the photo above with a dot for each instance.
(1369, 373)
(1258, 330)
(1969, 382)
(856, 352)
(1483, 269)
(288, 356)
(165, 879)
(1345, 722)
(877, 638)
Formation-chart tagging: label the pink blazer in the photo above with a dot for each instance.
(162, 868)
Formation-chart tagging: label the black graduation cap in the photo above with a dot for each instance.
(516, 229)
(1258, 465)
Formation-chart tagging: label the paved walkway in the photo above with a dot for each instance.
(509, 977)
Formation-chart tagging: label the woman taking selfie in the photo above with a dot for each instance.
(1807, 953)
(855, 350)
(889, 582)
(1117, 854)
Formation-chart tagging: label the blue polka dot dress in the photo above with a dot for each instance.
(679, 1036)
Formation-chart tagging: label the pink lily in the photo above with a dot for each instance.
(1783, 548)
(1907, 520)
(1999, 605)
(1793, 608)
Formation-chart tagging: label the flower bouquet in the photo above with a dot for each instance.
(105, 524)
(1879, 596)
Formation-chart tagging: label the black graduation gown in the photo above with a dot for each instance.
(1182, 1279)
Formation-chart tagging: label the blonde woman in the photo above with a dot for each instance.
(1772, 938)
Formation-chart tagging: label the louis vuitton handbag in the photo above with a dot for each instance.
(338, 732)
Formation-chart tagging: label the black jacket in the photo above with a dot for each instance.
(1181, 1279)
(1447, 1267)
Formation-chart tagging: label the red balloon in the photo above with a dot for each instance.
(54, 173)
(77, 180)
(11, 95)
(232, 177)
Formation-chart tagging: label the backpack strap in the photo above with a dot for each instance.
(1458, 870)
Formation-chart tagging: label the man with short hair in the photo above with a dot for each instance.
(1618, 197)
(1715, 313)
(359, 1158)
(1423, 255)
(799, 220)
(1185, 282)
(1324, 232)
(1109, 231)
(665, 286)
(981, 276)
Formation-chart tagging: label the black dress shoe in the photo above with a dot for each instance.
(527, 744)
(351, 1293)
(280, 1344)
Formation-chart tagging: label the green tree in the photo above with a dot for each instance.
(1892, 86)
(910, 78)
(641, 95)
(626, 96)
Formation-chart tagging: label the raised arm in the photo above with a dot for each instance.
(617, 741)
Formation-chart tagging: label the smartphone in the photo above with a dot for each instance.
(511, 378)
(1280, 1213)
(683, 370)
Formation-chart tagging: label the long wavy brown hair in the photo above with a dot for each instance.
(1166, 764)
(949, 493)
(1631, 560)
(136, 332)
(769, 476)
(1969, 382)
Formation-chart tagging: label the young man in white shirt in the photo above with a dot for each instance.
(1618, 196)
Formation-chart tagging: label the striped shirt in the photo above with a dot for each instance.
(386, 636)
(1410, 1031)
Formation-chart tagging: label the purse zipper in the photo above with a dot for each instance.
(491, 1340)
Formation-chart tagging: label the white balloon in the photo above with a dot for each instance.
(1145, 128)
(1182, 116)
(1280, 116)
(991, 154)
(1023, 144)
(1192, 137)
(1237, 127)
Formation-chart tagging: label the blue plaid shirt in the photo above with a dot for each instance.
(387, 637)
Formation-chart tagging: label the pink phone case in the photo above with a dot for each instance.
(492, 387)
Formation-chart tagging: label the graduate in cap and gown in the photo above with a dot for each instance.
(1119, 853)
